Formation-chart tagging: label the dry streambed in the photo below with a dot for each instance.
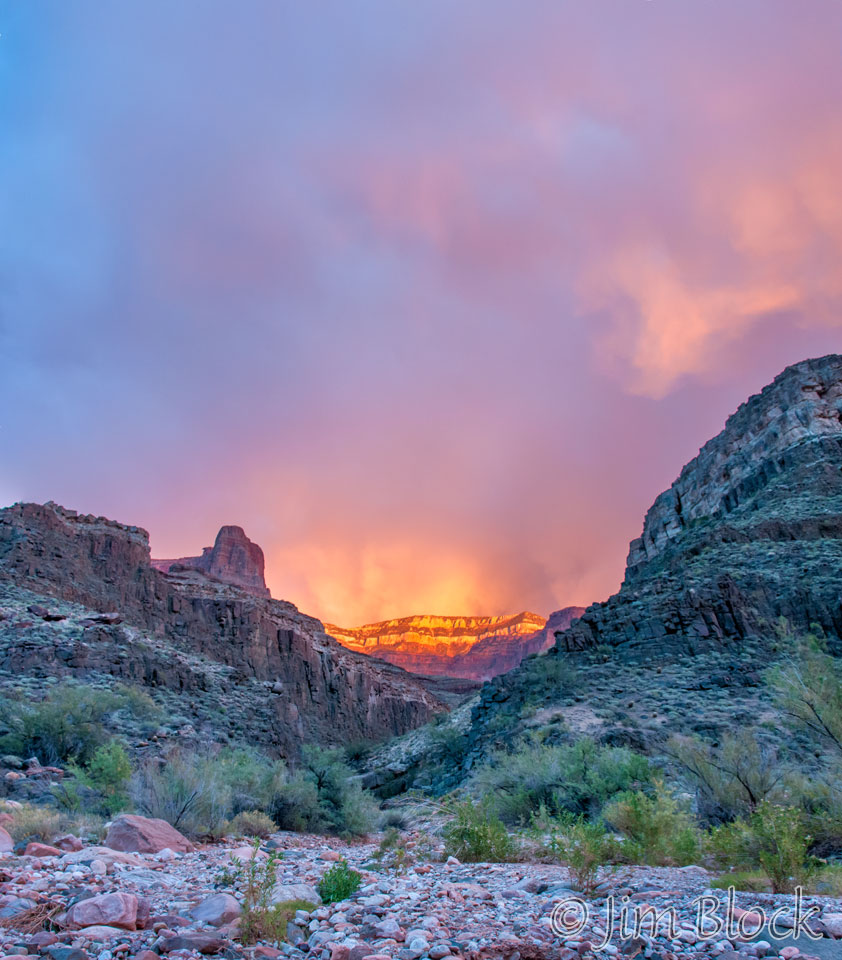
(158, 895)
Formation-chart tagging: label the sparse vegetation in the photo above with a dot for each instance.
(584, 846)
(475, 835)
(251, 823)
(576, 779)
(657, 829)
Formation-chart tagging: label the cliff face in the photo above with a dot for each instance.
(750, 532)
(233, 559)
(184, 631)
(475, 648)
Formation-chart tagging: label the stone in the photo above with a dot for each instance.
(35, 849)
(129, 833)
(201, 942)
(389, 929)
(217, 910)
(64, 953)
(68, 843)
(109, 909)
(99, 868)
(832, 925)
(7, 845)
(439, 950)
(285, 892)
(103, 932)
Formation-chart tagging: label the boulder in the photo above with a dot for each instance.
(7, 845)
(133, 834)
(68, 843)
(295, 891)
(217, 910)
(35, 849)
(109, 910)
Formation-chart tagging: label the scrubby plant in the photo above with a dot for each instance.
(200, 793)
(576, 779)
(782, 847)
(475, 835)
(108, 772)
(256, 878)
(774, 840)
(343, 806)
(731, 779)
(31, 822)
(808, 690)
(584, 846)
(69, 724)
(251, 823)
(339, 882)
(657, 828)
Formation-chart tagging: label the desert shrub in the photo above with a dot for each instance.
(820, 799)
(108, 771)
(808, 690)
(69, 724)
(251, 823)
(732, 779)
(343, 806)
(186, 790)
(782, 846)
(339, 882)
(447, 743)
(31, 822)
(256, 879)
(658, 829)
(575, 779)
(393, 853)
(200, 793)
(584, 846)
(475, 835)
(773, 839)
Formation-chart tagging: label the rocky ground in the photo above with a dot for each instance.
(74, 902)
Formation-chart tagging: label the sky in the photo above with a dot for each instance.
(432, 298)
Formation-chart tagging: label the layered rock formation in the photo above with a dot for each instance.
(233, 559)
(474, 648)
(748, 537)
(254, 665)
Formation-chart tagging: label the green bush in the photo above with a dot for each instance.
(339, 882)
(251, 823)
(108, 771)
(201, 793)
(584, 846)
(343, 806)
(474, 835)
(68, 725)
(774, 840)
(256, 879)
(575, 779)
(658, 829)
(782, 847)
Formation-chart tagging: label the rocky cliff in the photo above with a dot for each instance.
(475, 648)
(749, 533)
(233, 559)
(253, 667)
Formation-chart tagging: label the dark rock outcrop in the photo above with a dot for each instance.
(748, 536)
(185, 632)
(233, 559)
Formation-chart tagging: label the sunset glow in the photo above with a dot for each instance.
(432, 299)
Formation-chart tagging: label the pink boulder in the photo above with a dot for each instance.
(132, 834)
(108, 910)
(6, 843)
(35, 849)
(68, 843)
